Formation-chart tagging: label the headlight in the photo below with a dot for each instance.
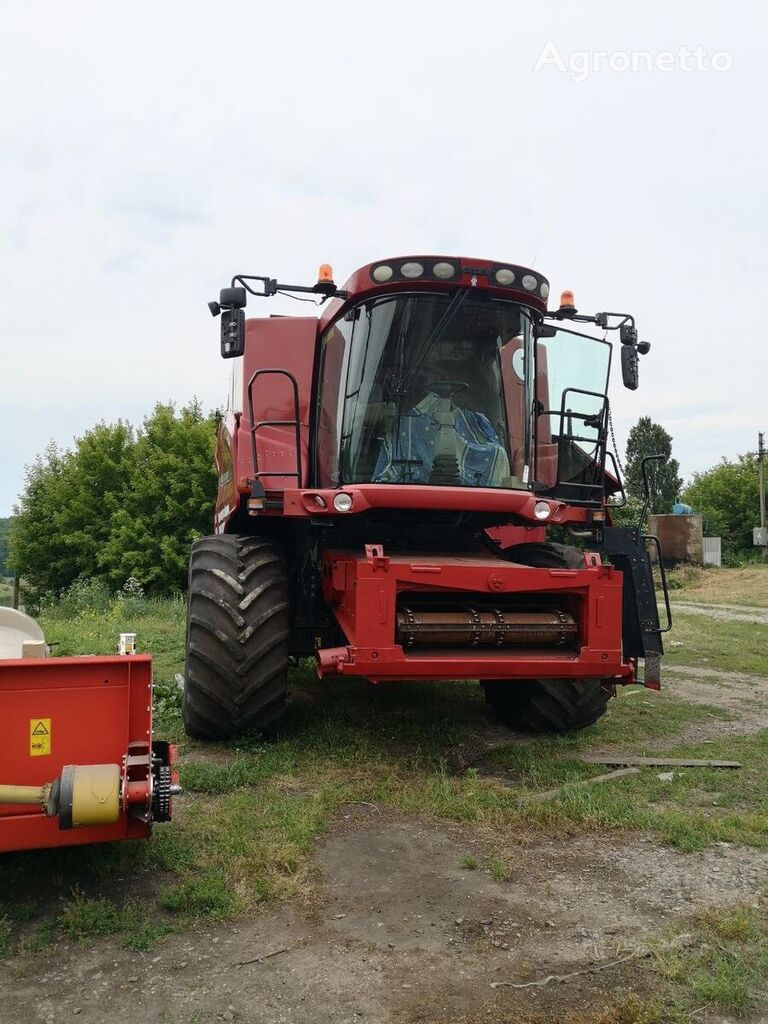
(505, 276)
(342, 502)
(443, 270)
(530, 282)
(544, 290)
(411, 270)
(382, 273)
(542, 509)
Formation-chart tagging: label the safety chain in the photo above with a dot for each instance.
(615, 446)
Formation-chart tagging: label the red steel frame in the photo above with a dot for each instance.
(100, 710)
(362, 591)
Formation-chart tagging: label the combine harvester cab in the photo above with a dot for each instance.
(78, 763)
(396, 479)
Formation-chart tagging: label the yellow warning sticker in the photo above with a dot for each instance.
(39, 737)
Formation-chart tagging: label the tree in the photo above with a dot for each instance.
(124, 503)
(169, 503)
(727, 495)
(649, 438)
(5, 528)
(62, 518)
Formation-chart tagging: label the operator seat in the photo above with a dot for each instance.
(408, 452)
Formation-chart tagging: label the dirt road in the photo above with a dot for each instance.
(401, 932)
(725, 612)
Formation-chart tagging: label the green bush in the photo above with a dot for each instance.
(728, 497)
(118, 512)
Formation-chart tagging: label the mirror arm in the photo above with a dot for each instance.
(599, 319)
(270, 286)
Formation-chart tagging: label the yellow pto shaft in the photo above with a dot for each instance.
(25, 794)
(88, 794)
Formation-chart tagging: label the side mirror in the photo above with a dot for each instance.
(232, 333)
(233, 298)
(629, 367)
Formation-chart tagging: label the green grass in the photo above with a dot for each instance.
(6, 936)
(715, 644)
(499, 869)
(159, 628)
(244, 830)
(84, 919)
(208, 893)
(747, 586)
(725, 963)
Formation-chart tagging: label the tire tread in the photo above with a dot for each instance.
(237, 637)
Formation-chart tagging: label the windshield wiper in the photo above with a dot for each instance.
(457, 301)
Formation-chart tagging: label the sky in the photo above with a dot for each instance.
(149, 151)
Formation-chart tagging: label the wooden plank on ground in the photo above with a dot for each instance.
(658, 762)
(551, 794)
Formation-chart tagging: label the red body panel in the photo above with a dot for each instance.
(290, 344)
(493, 500)
(98, 706)
(476, 273)
(281, 344)
(274, 343)
(362, 592)
(228, 496)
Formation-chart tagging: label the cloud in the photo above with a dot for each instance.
(149, 152)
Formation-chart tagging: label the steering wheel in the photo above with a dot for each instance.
(446, 388)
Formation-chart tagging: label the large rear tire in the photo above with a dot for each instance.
(547, 705)
(237, 637)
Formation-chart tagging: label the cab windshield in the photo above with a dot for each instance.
(426, 389)
(450, 390)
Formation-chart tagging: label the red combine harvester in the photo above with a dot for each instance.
(77, 760)
(388, 475)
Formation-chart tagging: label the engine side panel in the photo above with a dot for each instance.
(287, 344)
(260, 393)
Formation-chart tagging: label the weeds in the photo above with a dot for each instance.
(6, 934)
(726, 962)
(243, 832)
(207, 893)
(727, 646)
(84, 919)
(747, 585)
(499, 869)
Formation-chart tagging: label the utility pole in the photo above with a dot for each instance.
(761, 479)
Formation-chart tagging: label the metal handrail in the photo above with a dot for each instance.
(665, 590)
(295, 423)
(600, 442)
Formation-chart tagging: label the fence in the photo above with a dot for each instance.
(712, 552)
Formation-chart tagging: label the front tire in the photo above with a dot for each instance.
(237, 637)
(547, 705)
